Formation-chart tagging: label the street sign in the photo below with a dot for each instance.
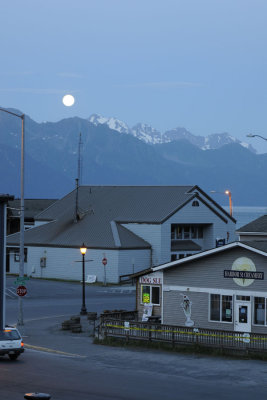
(21, 280)
(21, 290)
(104, 261)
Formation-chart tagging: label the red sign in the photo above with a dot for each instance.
(21, 290)
(104, 261)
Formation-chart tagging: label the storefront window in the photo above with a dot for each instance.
(221, 308)
(150, 295)
(215, 307)
(259, 310)
(227, 308)
(145, 294)
(155, 294)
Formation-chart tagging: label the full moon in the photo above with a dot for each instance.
(68, 100)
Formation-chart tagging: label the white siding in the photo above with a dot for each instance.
(159, 235)
(196, 215)
(61, 263)
(131, 261)
(152, 234)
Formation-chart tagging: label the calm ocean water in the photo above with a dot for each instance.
(244, 215)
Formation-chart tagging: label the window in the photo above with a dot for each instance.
(227, 308)
(194, 232)
(200, 232)
(187, 232)
(259, 310)
(195, 203)
(215, 307)
(243, 298)
(150, 294)
(221, 308)
(181, 232)
(17, 256)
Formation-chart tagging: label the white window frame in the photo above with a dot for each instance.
(199, 228)
(151, 287)
(253, 311)
(220, 321)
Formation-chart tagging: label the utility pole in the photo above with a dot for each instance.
(3, 202)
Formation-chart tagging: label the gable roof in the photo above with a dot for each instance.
(259, 226)
(198, 189)
(67, 233)
(102, 210)
(143, 204)
(150, 204)
(259, 247)
(32, 207)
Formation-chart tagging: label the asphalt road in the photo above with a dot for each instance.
(69, 366)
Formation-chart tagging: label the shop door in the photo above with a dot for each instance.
(243, 316)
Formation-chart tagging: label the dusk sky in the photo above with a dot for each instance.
(189, 63)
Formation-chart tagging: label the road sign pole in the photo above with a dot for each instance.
(104, 262)
(2, 265)
(3, 201)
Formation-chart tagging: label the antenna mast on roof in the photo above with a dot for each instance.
(79, 177)
(79, 173)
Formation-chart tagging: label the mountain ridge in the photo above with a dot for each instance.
(110, 157)
(150, 135)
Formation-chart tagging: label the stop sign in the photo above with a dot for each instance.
(104, 261)
(21, 290)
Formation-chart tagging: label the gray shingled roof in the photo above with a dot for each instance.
(151, 204)
(32, 207)
(103, 209)
(258, 225)
(257, 244)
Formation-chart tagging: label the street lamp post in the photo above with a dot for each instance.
(21, 245)
(229, 194)
(83, 250)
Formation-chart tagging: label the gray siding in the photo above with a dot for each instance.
(197, 279)
(208, 271)
(140, 307)
(173, 313)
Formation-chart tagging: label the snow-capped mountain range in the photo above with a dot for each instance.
(150, 135)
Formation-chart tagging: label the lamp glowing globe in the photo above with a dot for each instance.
(68, 100)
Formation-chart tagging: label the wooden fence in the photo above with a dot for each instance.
(133, 330)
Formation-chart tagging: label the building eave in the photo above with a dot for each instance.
(208, 253)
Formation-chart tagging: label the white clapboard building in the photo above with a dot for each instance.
(133, 227)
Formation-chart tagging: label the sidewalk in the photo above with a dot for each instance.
(47, 335)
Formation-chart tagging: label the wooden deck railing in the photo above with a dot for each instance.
(119, 315)
(182, 335)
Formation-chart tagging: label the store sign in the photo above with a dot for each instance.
(228, 273)
(243, 272)
(150, 280)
